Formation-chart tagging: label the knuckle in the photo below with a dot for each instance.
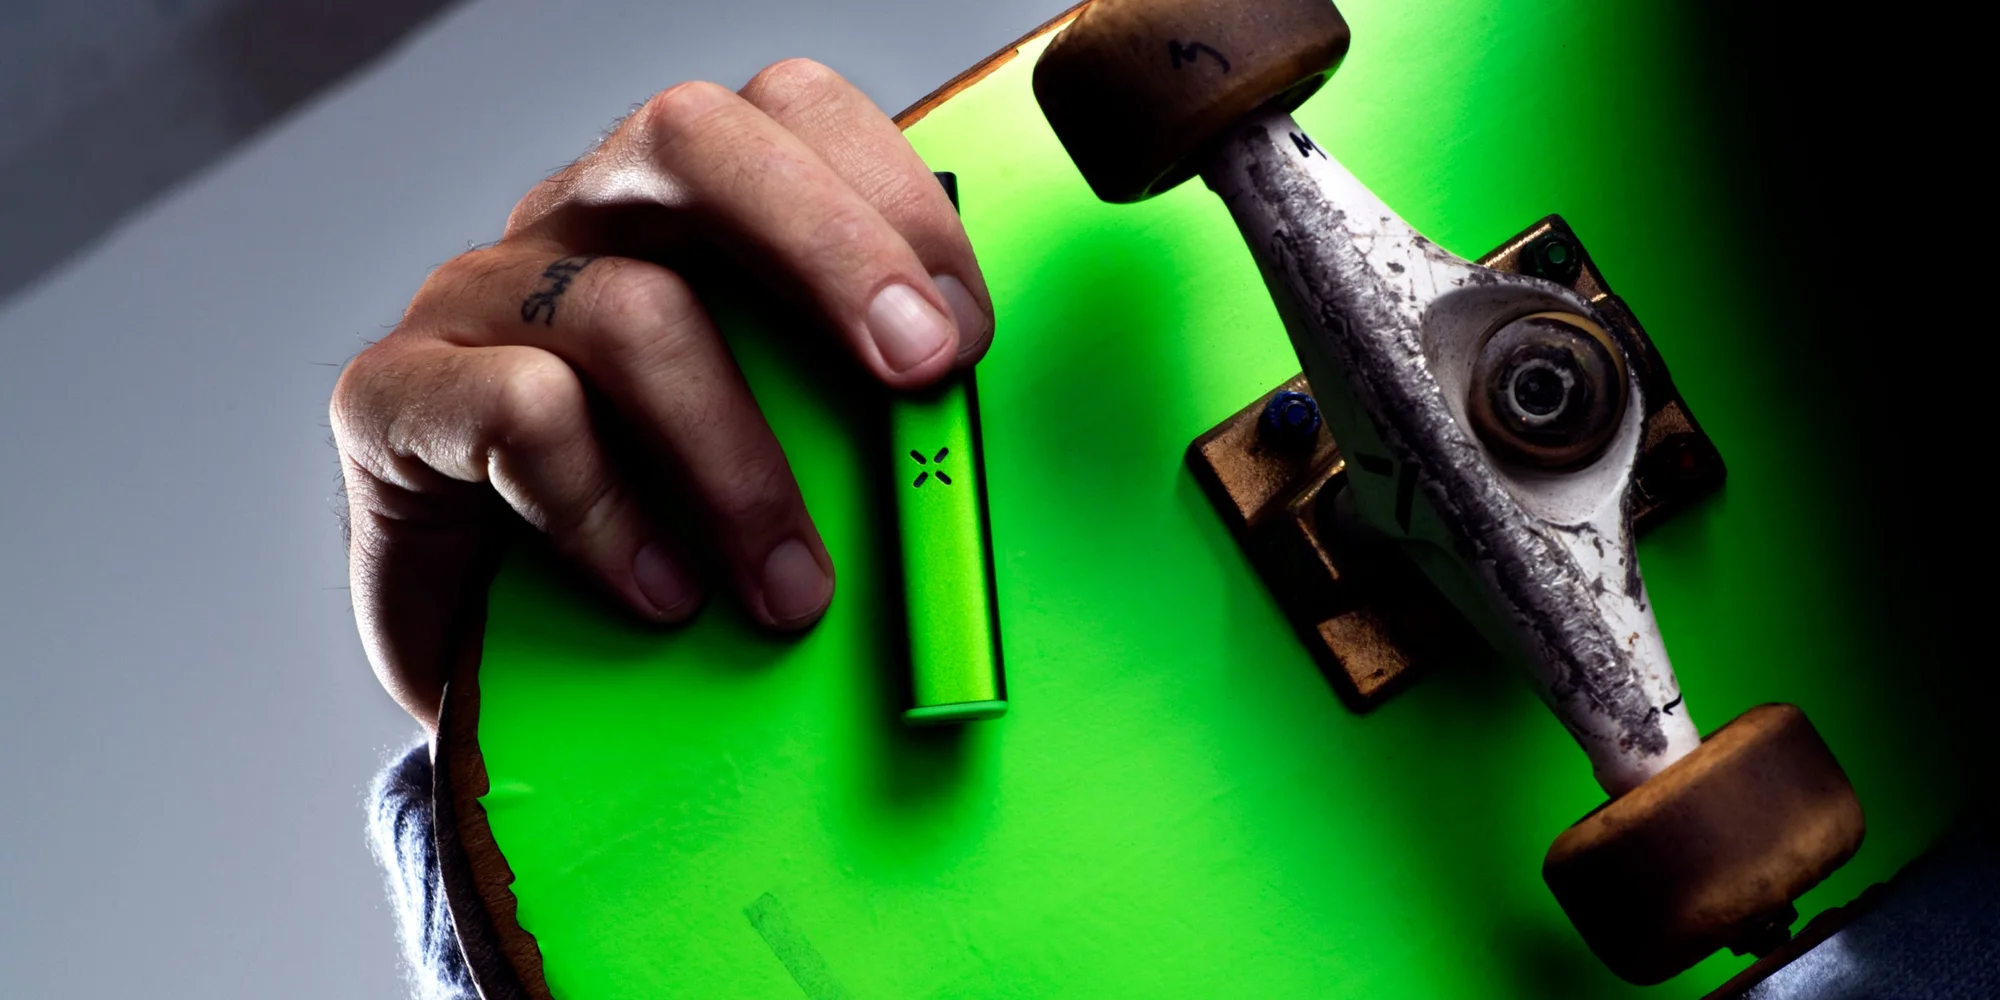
(447, 285)
(378, 414)
(344, 411)
(363, 406)
(628, 293)
(792, 83)
(678, 108)
(537, 407)
(847, 234)
(922, 214)
(354, 438)
(642, 316)
(895, 195)
(755, 489)
(541, 200)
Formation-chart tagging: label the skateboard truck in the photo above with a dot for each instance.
(1500, 431)
(1373, 623)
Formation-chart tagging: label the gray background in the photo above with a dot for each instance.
(195, 233)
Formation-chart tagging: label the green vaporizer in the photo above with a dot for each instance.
(949, 600)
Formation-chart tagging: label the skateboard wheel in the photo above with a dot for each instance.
(1136, 88)
(1710, 852)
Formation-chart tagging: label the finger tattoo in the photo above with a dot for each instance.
(541, 303)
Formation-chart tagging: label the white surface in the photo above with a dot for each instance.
(187, 726)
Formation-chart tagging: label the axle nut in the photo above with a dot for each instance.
(1548, 390)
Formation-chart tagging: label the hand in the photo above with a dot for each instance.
(478, 408)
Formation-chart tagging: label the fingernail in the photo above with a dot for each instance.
(795, 588)
(661, 581)
(906, 327)
(973, 324)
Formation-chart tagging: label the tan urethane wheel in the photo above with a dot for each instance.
(1710, 852)
(1134, 88)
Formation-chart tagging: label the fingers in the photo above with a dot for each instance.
(516, 418)
(638, 335)
(527, 378)
(869, 153)
(422, 430)
(764, 193)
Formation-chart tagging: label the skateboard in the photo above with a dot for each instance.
(1182, 798)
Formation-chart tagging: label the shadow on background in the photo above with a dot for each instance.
(1851, 168)
(110, 107)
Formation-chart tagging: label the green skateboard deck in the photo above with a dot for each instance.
(1177, 804)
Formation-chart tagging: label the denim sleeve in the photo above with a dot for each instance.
(400, 824)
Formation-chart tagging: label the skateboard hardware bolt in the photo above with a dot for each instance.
(1671, 465)
(1290, 421)
(1555, 257)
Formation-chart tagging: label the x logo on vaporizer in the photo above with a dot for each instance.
(928, 473)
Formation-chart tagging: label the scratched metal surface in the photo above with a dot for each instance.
(1550, 565)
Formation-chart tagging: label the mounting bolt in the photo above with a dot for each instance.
(1673, 466)
(1554, 256)
(1290, 422)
